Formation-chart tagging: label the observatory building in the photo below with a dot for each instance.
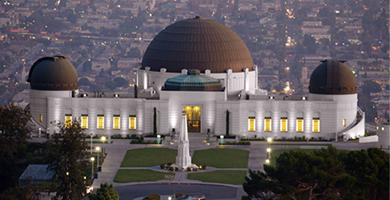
(204, 68)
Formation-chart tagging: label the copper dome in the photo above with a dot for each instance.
(332, 77)
(53, 73)
(197, 44)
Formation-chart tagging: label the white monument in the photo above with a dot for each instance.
(183, 158)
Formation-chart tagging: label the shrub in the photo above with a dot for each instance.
(152, 197)
(235, 143)
(179, 195)
(202, 166)
(163, 166)
(173, 168)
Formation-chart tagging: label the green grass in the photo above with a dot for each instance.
(222, 158)
(140, 175)
(236, 177)
(147, 157)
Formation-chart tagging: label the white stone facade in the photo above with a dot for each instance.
(336, 114)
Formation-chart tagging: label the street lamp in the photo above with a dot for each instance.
(98, 151)
(269, 140)
(267, 161)
(103, 138)
(91, 143)
(92, 159)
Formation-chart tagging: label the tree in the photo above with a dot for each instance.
(14, 130)
(111, 85)
(84, 81)
(300, 175)
(371, 169)
(120, 82)
(154, 121)
(105, 192)
(370, 86)
(134, 53)
(66, 149)
(227, 122)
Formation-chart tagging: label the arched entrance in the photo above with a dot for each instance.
(193, 118)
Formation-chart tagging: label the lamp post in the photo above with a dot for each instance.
(91, 143)
(92, 159)
(98, 151)
(269, 140)
(103, 138)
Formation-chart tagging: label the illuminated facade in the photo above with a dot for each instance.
(186, 76)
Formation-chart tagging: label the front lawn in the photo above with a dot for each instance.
(222, 158)
(140, 175)
(148, 157)
(236, 177)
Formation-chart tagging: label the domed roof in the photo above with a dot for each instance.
(333, 77)
(193, 81)
(53, 73)
(197, 44)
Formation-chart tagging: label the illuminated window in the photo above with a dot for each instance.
(84, 121)
(116, 122)
(283, 124)
(251, 124)
(68, 120)
(40, 118)
(344, 122)
(267, 123)
(316, 125)
(300, 125)
(132, 122)
(100, 122)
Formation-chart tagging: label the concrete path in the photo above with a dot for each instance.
(257, 155)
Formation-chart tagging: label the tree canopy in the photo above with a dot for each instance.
(14, 130)
(322, 174)
(370, 86)
(105, 192)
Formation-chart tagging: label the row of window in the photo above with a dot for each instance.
(284, 124)
(100, 121)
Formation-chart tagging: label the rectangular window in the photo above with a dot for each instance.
(300, 125)
(267, 124)
(316, 125)
(117, 120)
(40, 118)
(84, 121)
(100, 122)
(251, 124)
(68, 120)
(344, 122)
(283, 124)
(132, 122)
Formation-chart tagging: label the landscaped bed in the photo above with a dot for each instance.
(148, 157)
(140, 175)
(222, 158)
(236, 177)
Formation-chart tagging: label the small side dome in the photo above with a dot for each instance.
(53, 73)
(333, 77)
(193, 81)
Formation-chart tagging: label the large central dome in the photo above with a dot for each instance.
(197, 44)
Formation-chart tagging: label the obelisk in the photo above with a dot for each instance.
(183, 158)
